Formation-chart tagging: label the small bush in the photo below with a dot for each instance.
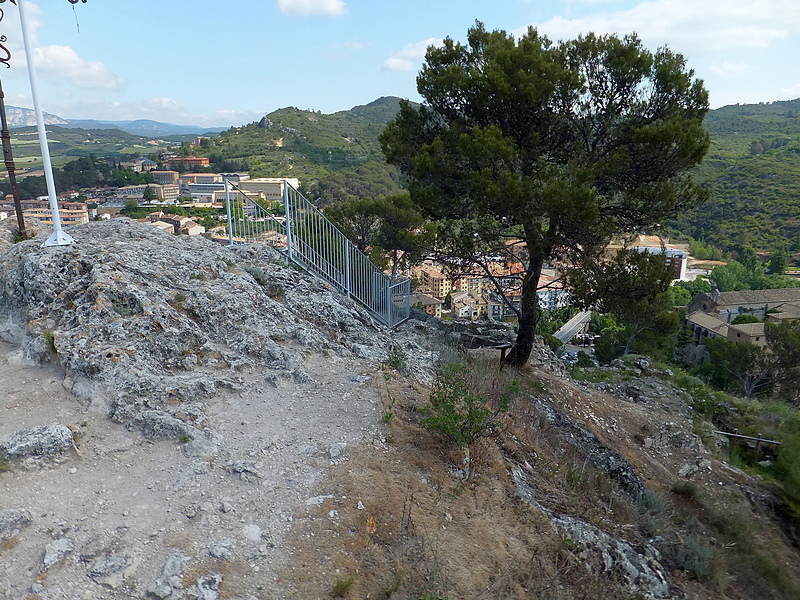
(397, 359)
(694, 556)
(459, 412)
(342, 585)
(273, 289)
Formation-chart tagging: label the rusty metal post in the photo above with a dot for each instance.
(8, 158)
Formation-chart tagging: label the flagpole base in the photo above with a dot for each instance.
(58, 238)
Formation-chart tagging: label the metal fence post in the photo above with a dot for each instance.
(228, 210)
(287, 212)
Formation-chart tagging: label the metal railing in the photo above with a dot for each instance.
(311, 241)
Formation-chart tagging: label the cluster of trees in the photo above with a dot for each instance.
(748, 273)
(389, 229)
(750, 369)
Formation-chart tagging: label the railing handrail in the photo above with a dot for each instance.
(318, 246)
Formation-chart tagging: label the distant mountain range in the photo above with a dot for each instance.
(25, 117)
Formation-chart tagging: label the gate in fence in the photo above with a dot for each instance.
(310, 240)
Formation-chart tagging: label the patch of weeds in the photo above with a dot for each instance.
(342, 586)
(388, 413)
(393, 583)
(50, 341)
(687, 490)
(651, 502)
(460, 411)
(397, 359)
(536, 385)
(272, 288)
(572, 545)
(591, 375)
(200, 276)
(184, 439)
(693, 555)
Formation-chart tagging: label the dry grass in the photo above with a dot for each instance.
(426, 533)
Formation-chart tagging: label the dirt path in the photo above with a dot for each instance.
(123, 507)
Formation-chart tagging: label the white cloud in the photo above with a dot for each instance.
(354, 45)
(64, 63)
(692, 27)
(164, 109)
(729, 69)
(335, 8)
(409, 57)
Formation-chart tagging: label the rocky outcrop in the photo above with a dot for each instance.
(44, 441)
(141, 320)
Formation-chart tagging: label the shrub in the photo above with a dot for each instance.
(273, 289)
(342, 586)
(459, 412)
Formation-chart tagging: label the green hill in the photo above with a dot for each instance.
(752, 170)
(335, 156)
(67, 144)
(753, 174)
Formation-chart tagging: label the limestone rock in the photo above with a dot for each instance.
(56, 550)
(45, 441)
(13, 521)
(142, 318)
(206, 588)
(111, 570)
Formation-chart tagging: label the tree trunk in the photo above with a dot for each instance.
(529, 314)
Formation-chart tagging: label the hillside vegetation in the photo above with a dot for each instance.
(752, 170)
(753, 174)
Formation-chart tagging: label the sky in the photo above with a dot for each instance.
(197, 62)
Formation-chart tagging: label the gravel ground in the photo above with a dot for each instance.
(124, 516)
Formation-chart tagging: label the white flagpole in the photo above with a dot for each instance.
(58, 237)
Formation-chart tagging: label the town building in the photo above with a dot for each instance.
(431, 305)
(271, 187)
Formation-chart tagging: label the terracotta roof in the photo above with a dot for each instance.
(706, 321)
(757, 296)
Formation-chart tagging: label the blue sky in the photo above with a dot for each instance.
(229, 63)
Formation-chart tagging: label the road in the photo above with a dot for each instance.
(573, 326)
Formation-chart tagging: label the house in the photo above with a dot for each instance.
(168, 227)
(431, 277)
(271, 187)
(431, 305)
(759, 303)
(189, 161)
(166, 177)
(192, 228)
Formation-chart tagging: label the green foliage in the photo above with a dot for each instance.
(753, 174)
(397, 359)
(736, 276)
(679, 296)
(695, 287)
(694, 555)
(273, 289)
(635, 289)
(552, 342)
(460, 412)
(783, 341)
(744, 319)
(738, 366)
(787, 466)
(342, 586)
(516, 139)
